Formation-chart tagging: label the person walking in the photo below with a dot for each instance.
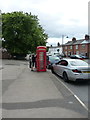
(32, 62)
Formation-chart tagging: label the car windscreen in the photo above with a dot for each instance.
(78, 63)
(53, 59)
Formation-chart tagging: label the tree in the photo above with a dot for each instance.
(0, 43)
(22, 32)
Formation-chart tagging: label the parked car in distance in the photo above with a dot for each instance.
(84, 57)
(72, 69)
(52, 60)
(76, 57)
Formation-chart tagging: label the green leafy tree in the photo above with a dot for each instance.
(22, 32)
(0, 29)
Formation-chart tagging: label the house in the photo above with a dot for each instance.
(75, 46)
(55, 50)
(81, 46)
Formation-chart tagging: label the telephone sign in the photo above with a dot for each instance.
(41, 58)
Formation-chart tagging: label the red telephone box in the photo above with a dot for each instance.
(41, 58)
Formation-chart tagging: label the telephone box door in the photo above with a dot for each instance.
(41, 58)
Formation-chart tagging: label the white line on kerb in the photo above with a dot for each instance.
(81, 102)
(73, 94)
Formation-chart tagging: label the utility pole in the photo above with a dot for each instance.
(63, 41)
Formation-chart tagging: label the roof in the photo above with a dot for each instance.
(69, 43)
(82, 41)
(85, 42)
(79, 41)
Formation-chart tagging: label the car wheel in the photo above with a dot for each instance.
(65, 77)
(52, 70)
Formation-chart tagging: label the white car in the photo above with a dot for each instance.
(72, 69)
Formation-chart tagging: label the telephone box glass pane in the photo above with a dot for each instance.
(41, 60)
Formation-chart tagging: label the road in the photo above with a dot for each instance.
(27, 94)
(80, 89)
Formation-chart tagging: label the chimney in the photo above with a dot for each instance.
(74, 39)
(86, 37)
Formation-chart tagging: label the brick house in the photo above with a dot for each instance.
(77, 47)
(81, 46)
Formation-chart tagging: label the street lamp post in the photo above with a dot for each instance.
(63, 41)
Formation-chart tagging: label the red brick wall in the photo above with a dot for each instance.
(85, 49)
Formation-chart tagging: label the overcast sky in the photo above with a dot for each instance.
(58, 17)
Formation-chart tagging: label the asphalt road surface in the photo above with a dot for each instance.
(80, 89)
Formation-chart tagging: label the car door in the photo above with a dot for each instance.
(61, 67)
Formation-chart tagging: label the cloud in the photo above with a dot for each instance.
(58, 17)
(53, 41)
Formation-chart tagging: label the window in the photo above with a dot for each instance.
(66, 53)
(66, 47)
(76, 46)
(78, 63)
(77, 52)
(83, 46)
(70, 47)
(63, 62)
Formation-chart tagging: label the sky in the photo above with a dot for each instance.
(57, 17)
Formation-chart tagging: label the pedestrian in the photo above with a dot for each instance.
(35, 61)
(32, 62)
(47, 60)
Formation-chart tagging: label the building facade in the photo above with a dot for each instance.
(77, 47)
(55, 50)
(81, 46)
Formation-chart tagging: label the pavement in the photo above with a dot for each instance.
(1, 67)
(32, 94)
(1, 64)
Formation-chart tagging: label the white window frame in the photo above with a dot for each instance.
(76, 46)
(77, 52)
(83, 46)
(65, 47)
(71, 47)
